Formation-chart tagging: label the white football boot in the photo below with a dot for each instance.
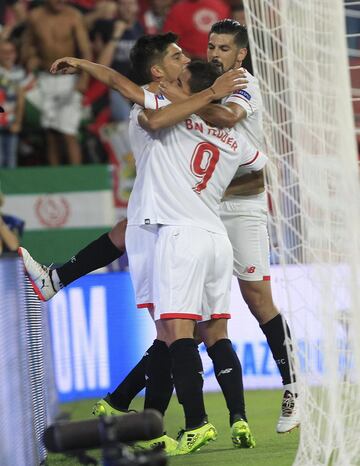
(39, 276)
(289, 418)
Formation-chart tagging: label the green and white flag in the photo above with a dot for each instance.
(63, 207)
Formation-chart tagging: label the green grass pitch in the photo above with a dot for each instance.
(263, 409)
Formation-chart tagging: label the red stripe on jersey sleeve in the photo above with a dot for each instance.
(156, 102)
(251, 161)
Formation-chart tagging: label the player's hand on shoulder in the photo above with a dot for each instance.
(172, 91)
(229, 82)
(65, 65)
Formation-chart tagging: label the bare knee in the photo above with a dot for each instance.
(171, 330)
(117, 234)
(212, 331)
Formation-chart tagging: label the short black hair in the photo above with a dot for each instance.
(147, 51)
(202, 75)
(230, 26)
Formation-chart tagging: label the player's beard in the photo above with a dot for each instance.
(219, 65)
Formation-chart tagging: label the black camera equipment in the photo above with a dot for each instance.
(110, 433)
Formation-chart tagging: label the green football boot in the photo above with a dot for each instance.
(241, 435)
(193, 440)
(165, 442)
(104, 408)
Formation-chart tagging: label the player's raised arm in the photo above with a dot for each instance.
(179, 111)
(104, 74)
(222, 116)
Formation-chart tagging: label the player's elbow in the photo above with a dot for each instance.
(154, 124)
(230, 120)
(227, 120)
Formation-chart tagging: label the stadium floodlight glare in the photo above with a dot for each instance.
(299, 55)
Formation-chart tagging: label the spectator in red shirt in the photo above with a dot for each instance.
(191, 20)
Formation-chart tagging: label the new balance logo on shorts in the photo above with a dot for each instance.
(250, 269)
(225, 371)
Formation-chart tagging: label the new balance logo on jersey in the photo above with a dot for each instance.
(225, 371)
(250, 269)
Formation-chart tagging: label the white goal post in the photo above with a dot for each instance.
(299, 56)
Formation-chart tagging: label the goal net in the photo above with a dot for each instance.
(300, 59)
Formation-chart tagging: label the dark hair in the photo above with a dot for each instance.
(103, 28)
(147, 51)
(202, 75)
(230, 26)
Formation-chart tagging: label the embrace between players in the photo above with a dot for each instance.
(196, 215)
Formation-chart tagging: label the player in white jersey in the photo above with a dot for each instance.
(71, 62)
(244, 210)
(188, 170)
(244, 214)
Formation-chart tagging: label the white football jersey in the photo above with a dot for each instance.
(251, 126)
(189, 167)
(140, 142)
(250, 100)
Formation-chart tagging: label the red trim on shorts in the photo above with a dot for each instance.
(221, 316)
(180, 316)
(251, 161)
(147, 305)
(266, 278)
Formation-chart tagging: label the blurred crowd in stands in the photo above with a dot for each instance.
(62, 119)
(65, 119)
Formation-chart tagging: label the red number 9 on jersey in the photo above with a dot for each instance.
(203, 163)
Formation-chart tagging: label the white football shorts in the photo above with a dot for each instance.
(60, 103)
(245, 219)
(192, 274)
(140, 247)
